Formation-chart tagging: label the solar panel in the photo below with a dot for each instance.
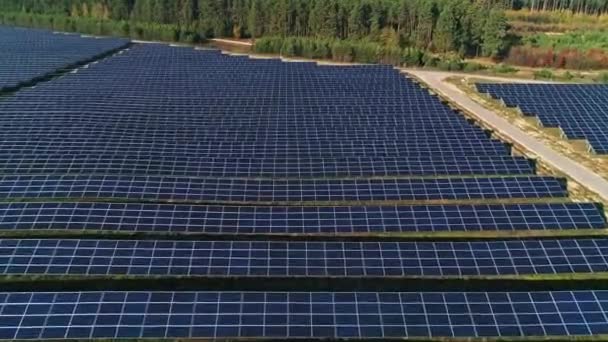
(129, 164)
(84, 315)
(209, 133)
(165, 125)
(250, 190)
(29, 55)
(301, 259)
(202, 104)
(248, 150)
(297, 220)
(579, 109)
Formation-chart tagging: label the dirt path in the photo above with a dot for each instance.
(581, 174)
(232, 42)
(446, 74)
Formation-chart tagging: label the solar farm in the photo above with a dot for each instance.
(165, 192)
(580, 110)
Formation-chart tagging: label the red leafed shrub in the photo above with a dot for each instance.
(566, 58)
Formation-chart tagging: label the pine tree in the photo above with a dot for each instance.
(443, 39)
(495, 32)
(425, 25)
(323, 21)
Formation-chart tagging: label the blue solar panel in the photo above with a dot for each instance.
(129, 164)
(302, 259)
(318, 148)
(579, 109)
(85, 315)
(297, 220)
(29, 55)
(163, 188)
(202, 104)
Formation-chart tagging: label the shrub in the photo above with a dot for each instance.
(365, 52)
(450, 64)
(505, 69)
(392, 55)
(307, 48)
(602, 77)
(569, 58)
(190, 37)
(268, 45)
(567, 76)
(290, 47)
(413, 57)
(472, 67)
(342, 51)
(430, 61)
(322, 50)
(544, 74)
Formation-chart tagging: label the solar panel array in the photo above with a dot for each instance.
(301, 259)
(327, 220)
(297, 190)
(28, 55)
(580, 110)
(218, 167)
(301, 314)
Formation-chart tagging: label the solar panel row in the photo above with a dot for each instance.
(258, 135)
(301, 259)
(329, 149)
(79, 117)
(32, 54)
(301, 167)
(301, 315)
(250, 190)
(297, 220)
(580, 110)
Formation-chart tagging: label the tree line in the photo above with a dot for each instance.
(594, 7)
(464, 27)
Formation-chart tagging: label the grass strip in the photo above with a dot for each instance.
(312, 284)
(392, 237)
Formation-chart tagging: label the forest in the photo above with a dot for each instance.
(411, 32)
(596, 7)
(465, 27)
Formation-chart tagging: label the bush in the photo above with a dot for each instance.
(569, 58)
(473, 67)
(268, 45)
(504, 69)
(190, 37)
(342, 51)
(602, 77)
(365, 52)
(567, 76)
(413, 57)
(307, 48)
(392, 55)
(430, 61)
(450, 64)
(322, 50)
(544, 74)
(290, 47)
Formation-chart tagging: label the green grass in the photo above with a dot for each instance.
(303, 283)
(380, 236)
(380, 203)
(580, 40)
